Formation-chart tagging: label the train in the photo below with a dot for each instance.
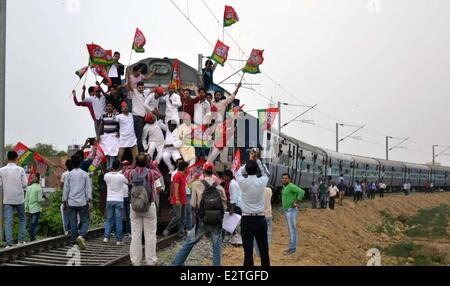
(304, 162)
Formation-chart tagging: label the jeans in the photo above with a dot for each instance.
(381, 193)
(291, 220)
(66, 220)
(323, 201)
(9, 221)
(114, 212)
(188, 213)
(178, 220)
(269, 235)
(254, 227)
(109, 161)
(139, 130)
(314, 200)
(194, 237)
(126, 228)
(357, 196)
(201, 152)
(83, 212)
(34, 224)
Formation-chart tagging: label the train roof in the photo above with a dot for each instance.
(339, 156)
(364, 160)
(417, 166)
(390, 163)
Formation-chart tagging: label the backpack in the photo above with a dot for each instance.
(211, 209)
(141, 192)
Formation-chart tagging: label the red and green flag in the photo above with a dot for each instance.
(32, 175)
(101, 71)
(230, 16)
(99, 56)
(267, 118)
(254, 61)
(24, 153)
(139, 41)
(176, 77)
(81, 72)
(99, 157)
(220, 53)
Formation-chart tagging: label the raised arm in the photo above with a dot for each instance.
(150, 75)
(83, 94)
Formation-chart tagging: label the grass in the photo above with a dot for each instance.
(423, 256)
(429, 223)
(403, 249)
(387, 226)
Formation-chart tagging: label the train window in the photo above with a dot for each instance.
(308, 167)
(367, 167)
(315, 157)
(347, 171)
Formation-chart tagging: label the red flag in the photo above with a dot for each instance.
(98, 158)
(32, 175)
(99, 56)
(25, 154)
(176, 77)
(41, 163)
(236, 162)
(195, 171)
(254, 61)
(220, 53)
(101, 71)
(230, 16)
(139, 42)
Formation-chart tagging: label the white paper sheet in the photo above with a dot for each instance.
(230, 222)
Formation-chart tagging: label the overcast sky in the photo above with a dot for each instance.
(385, 64)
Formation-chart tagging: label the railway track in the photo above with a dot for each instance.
(57, 251)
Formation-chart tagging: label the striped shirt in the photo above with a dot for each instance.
(110, 123)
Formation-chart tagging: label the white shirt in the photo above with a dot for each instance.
(202, 112)
(138, 100)
(221, 107)
(13, 180)
(63, 176)
(151, 103)
(127, 135)
(115, 186)
(113, 71)
(252, 192)
(173, 102)
(171, 138)
(235, 192)
(98, 104)
(154, 134)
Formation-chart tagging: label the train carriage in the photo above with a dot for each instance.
(392, 173)
(338, 164)
(365, 168)
(418, 175)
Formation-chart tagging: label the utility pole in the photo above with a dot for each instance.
(2, 98)
(279, 117)
(337, 137)
(387, 148)
(200, 67)
(434, 156)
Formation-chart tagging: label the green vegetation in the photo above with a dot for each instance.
(420, 255)
(388, 226)
(429, 223)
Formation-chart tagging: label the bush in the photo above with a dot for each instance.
(403, 249)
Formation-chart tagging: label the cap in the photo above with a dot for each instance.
(208, 166)
(124, 104)
(149, 117)
(160, 90)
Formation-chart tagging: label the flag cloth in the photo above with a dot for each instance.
(195, 171)
(254, 61)
(101, 71)
(176, 77)
(32, 175)
(41, 163)
(98, 158)
(220, 53)
(230, 16)
(99, 56)
(267, 118)
(81, 72)
(25, 154)
(139, 42)
(236, 165)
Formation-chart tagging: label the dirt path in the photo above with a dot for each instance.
(339, 237)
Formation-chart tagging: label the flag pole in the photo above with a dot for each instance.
(243, 74)
(131, 54)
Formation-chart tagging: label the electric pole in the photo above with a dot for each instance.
(2, 99)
